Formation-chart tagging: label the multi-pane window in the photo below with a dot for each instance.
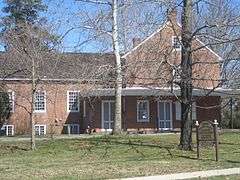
(143, 111)
(11, 100)
(73, 101)
(7, 130)
(40, 130)
(40, 101)
(176, 44)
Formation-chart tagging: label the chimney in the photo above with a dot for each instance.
(136, 41)
(172, 15)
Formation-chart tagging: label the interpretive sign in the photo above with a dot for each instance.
(207, 136)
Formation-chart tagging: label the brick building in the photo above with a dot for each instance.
(75, 89)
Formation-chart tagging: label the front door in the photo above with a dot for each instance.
(165, 115)
(108, 114)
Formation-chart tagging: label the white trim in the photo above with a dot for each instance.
(158, 91)
(45, 102)
(148, 111)
(12, 99)
(73, 111)
(171, 119)
(160, 29)
(6, 129)
(219, 57)
(45, 129)
(145, 40)
(208, 48)
(102, 113)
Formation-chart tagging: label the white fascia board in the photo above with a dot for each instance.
(145, 40)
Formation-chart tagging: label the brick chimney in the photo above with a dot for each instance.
(172, 15)
(136, 41)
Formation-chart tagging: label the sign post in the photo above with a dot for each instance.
(207, 135)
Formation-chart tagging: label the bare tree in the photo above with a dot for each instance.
(29, 50)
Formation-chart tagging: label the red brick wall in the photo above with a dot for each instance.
(57, 109)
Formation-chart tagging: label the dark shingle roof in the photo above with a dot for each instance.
(80, 66)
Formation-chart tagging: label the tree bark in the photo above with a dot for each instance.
(186, 77)
(32, 120)
(118, 84)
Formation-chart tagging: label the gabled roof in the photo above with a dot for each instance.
(167, 23)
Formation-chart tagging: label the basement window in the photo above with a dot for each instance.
(40, 129)
(7, 130)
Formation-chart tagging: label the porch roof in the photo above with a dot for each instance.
(163, 91)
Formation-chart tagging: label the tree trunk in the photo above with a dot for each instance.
(32, 120)
(186, 77)
(118, 84)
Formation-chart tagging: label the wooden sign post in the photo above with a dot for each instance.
(207, 135)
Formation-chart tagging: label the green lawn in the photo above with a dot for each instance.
(111, 157)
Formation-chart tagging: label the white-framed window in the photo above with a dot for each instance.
(143, 111)
(73, 101)
(7, 130)
(178, 110)
(11, 100)
(176, 43)
(40, 129)
(40, 101)
(71, 128)
(194, 111)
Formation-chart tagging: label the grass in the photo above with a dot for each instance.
(111, 157)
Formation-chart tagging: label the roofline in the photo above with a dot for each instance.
(47, 79)
(162, 91)
(160, 29)
(146, 39)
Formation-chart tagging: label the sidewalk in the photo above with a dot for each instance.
(197, 174)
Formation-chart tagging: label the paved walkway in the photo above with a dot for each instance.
(197, 174)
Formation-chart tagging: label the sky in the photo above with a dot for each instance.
(63, 15)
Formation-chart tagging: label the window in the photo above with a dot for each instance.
(143, 111)
(40, 129)
(176, 44)
(176, 73)
(73, 101)
(178, 110)
(7, 130)
(71, 129)
(40, 101)
(11, 100)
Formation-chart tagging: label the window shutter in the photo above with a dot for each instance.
(178, 110)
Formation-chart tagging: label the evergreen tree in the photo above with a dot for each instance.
(20, 12)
